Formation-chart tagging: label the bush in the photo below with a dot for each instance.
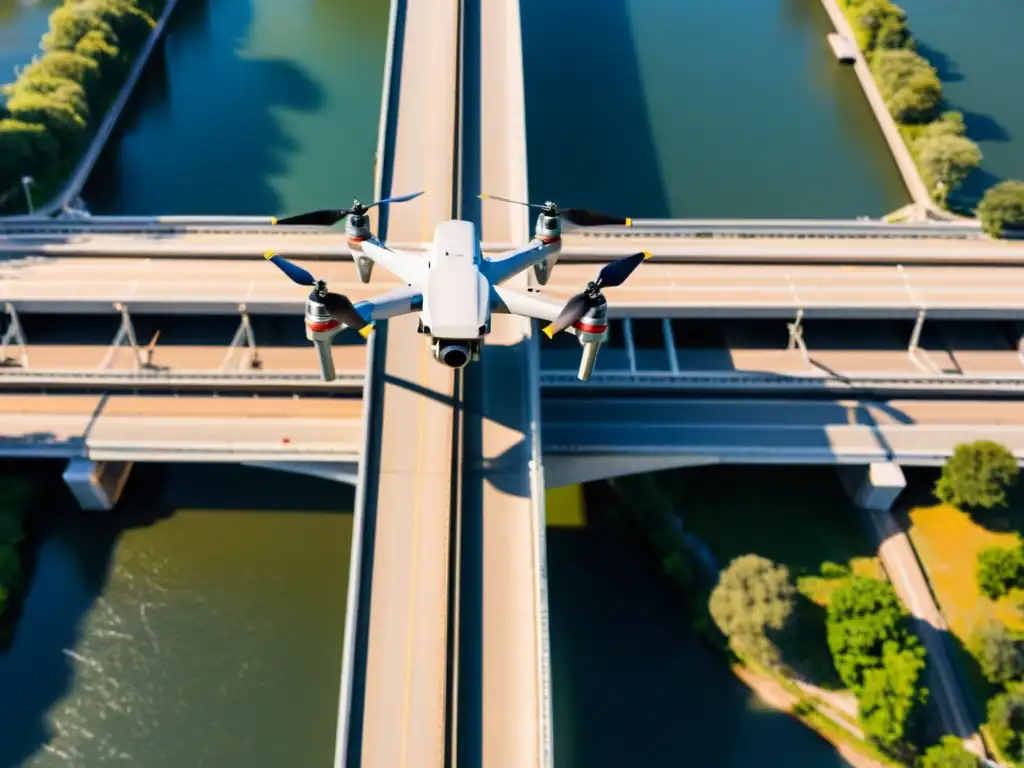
(949, 753)
(753, 595)
(863, 616)
(1006, 721)
(891, 699)
(909, 85)
(998, 570)
(945, 160)
(977, 475)
(1002, 208)
(830, 570)
(998, 652)
(883, 24)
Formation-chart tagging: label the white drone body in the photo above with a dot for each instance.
(454, 288)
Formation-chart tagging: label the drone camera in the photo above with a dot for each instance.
(453, 353)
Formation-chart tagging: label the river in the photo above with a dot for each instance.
(704, 108)
(633, 685)
(22, 25)
(199, 624)
(976, 48)
(258, 107)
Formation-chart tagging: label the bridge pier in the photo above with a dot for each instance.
(874, 487)
(97, 485)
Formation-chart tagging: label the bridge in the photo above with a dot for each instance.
(448, 545)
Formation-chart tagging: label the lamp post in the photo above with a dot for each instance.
(26, 183)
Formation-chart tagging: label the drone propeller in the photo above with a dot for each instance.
(581, 217)
(611, 275)
(339, 307)
(330, 216)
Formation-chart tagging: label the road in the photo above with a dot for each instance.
(503, 517)
(655, 290)
(590, 245)
(675, 430)
(406, 675)
(145, 428)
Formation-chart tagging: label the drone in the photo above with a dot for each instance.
(454, 287)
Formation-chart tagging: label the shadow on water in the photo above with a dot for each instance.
(69, 575)
(229, 142)
(572, 52)
(634, 685)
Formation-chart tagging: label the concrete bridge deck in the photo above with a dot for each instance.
(591, 438)
(134, 428)
(68, 285)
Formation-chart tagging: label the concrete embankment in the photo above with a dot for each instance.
(85, 165)
(900, 152)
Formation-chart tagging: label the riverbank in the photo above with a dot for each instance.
(52, 137)
(692, 544)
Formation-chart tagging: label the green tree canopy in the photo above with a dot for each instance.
(945, 161)
(131, 24)
(48, 110)
(1006, 722)
(998, 570)
(58, 89)
(68, 65)
(69, 23)
(753, 595)
(977, 475)
(864, 615)
(949, 753)
(1002, 208)
(948, 124)
(891, 697)
(884, 24)
(998, 652)
(909, 85)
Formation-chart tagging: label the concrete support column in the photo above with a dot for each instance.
(875, 487)
(97, 485)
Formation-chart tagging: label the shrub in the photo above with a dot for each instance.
(891, 699)
(909, 85)
(998, 652)
(753, 595)
(864, 615)
(977, 475)
(1006, 721)
(949, 753)
(1002, 208)
(945, 160)
(998, 570)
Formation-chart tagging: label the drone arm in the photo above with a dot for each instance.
(400, 301)
(407, 267)
(509, 264)
(508, 301)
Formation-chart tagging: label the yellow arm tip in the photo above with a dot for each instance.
(629, 222)
(483, 195)
(269, 254)
(366, 330)
(273, 221)
(548, 331)
(647, 255)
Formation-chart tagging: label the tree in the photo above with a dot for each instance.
(1006, 722)
(909, 85)
(998, 570)
(949, 753)
(23, 146)
(59, 89)
(753, 595)
(69, 24)
(977, 475)
(67, 126)
(945, 161)
(998, 652)
(948, 124)
(891, 697)
(884, 24)
(68, 65)
(1002, 208)
(864, 615)
(131, 24)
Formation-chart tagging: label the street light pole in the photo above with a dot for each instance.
(26, 182)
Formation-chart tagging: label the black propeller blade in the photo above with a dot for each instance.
(581, 217)
(329, 216)
(338, 306)
(611, 275)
